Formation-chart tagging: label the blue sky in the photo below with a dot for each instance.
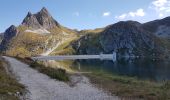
(84, 14)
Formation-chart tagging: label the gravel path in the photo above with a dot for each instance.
(41, 87)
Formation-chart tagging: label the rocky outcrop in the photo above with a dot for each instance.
(88, 44)
(125, 38)
(8, 35)
(10, 32)
(127, 35)
(1, 37)
(45, 19)
(42, 19)
(159, 27)
(31, 21)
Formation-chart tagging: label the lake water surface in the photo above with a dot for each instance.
(141, 68)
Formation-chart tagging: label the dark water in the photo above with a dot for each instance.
(141, 69)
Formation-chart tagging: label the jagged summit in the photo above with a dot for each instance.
(42, 19)
(8, 35)
(10, 32)
(45, 19)
(12, 26)
(44, 10)
(29, 14)
(31, 21)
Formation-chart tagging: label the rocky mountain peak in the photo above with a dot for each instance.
(10, 32)
(127, 35)
(44, 11)
(29, 14)
(11, 27)
(45, 19)
(8, 35)
(31, 21)
(127, 24)
(42, 19)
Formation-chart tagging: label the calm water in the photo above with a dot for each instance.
(142, 69)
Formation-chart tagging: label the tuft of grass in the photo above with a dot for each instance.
(59, 74)
(55, 73)
(9, 87)
(131, 87)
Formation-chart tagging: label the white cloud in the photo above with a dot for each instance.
(138, 13)
(76, 14)
(162, 7)
(105, 14)
(159, 3)
(123, 16)
(161, 15)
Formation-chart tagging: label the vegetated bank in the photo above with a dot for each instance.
(122, 86)
(55, 73)
(10, 89)
(131, 87)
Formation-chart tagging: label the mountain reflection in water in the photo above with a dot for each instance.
(142, 68)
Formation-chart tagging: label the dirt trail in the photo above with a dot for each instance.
(41, 87)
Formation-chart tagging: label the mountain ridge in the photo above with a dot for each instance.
(127, 38)
(37, 34)
(41, 19)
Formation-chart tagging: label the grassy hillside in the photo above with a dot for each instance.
(27, 44)
(64, 48)
(67, 47)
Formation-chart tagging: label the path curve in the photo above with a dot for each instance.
(41, 87)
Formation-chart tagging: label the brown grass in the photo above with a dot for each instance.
(9, 87)
(132, 88)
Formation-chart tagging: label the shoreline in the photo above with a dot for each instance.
(128, 88)
(124, 87)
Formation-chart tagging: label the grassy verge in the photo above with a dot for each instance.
(59, 74)
(131, 88)
(9, 87)
(55, 73)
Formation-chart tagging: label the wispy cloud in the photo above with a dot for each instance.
(76, 14)
(106, 14)
(138, 13)
(162, 7)
(122, 16)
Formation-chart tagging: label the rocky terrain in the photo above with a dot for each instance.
(37, 34)
(40, 34)
(41, 19)
(161, 28)
(127, 38)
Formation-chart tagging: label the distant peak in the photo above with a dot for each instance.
(41, 19)
(29, 14)
(10, 32)
(44, 10)
(31, 21)
(12, 27)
